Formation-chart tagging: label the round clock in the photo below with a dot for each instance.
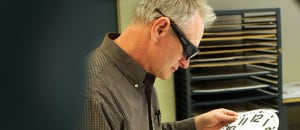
(260, 119)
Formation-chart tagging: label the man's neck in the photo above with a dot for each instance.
(134, 41)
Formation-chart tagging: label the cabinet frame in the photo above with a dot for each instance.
(183, 78)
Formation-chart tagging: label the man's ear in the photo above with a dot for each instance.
(160, 27)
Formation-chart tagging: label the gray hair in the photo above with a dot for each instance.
(178, 10)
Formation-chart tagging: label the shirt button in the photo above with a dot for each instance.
(136, 85)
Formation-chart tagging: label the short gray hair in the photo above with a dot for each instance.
(178, 10)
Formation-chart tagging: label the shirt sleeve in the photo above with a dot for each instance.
(187, 124)
(95, 117)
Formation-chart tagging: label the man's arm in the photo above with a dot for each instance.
(212, 120)
(187, 124)
(95, 117)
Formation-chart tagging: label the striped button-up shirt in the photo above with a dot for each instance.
(120, 94)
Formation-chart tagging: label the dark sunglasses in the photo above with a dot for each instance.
(189, 49)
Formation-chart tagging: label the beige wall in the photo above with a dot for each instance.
(290, 14)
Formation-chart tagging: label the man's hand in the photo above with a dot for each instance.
(215, 119)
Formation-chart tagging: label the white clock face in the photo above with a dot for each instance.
(259, 119)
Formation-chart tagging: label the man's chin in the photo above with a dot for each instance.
(165, 76)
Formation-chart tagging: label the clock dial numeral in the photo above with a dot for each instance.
(268, 128)
(243, 121)
(230, 128)
(266, 122)
(256, 117)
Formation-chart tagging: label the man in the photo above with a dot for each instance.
(162, 37)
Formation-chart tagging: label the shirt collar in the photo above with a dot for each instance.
(130, 68)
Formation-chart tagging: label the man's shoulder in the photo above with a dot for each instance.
(101, 71)
(98, 62)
